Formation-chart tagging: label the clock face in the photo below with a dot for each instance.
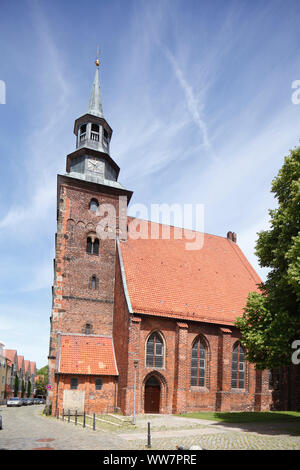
(94, 165)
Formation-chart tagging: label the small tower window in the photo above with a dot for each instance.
(94, 282)
(82, 132)
(94, 204)
(92, 245)
(95, 132)
(87, 329)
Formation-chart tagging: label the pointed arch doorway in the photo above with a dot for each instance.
(152, 395)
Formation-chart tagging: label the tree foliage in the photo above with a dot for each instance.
(271, 319)
(40, 386)
(16, 386)
(23, 389)
(29, 387)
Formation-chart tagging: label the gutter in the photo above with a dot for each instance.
(124, 278)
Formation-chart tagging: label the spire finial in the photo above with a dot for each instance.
(95, 103)
(97, 61)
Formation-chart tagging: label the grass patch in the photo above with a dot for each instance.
(247, 417)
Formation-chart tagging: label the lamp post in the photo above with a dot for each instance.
(134, 389)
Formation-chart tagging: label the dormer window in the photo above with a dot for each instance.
(95, 132)
(82, 135)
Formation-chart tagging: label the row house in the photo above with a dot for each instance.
(17, 370)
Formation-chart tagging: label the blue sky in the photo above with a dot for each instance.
(198, 94)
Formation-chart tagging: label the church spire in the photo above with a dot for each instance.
(95, 103)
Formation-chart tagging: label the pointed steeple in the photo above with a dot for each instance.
(95, 103)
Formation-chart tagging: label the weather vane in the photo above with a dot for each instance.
(97, 61)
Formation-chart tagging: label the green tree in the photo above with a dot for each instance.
(41, 386)
(271, 319)
(29, 388)
(23, 389)
(43, 371)
(16, 387)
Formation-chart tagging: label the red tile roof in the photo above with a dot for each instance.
(32, 367)
(165, 279)
(10, 354)
(87, 355)
(20, 361)
(27, 365)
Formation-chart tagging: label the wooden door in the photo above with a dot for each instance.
(152, 396)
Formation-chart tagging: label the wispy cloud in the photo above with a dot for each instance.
(193, 106)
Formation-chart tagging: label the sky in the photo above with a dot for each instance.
(198, 94)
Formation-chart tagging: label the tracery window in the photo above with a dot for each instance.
(198, 363)
(238, 367)
(155, 351)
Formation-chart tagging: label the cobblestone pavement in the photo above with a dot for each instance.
(26, 428)
(169, 431)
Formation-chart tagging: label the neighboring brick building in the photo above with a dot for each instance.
(12, 356)
(139, 313)
(3, 372)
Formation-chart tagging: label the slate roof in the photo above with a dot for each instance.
(86, 355)
(165, 279)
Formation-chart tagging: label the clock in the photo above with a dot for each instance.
(95, 165)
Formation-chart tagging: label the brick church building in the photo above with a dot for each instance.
(142, 321)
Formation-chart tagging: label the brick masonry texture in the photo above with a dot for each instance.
(105, 309)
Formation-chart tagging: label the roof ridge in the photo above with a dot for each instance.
(176, 226)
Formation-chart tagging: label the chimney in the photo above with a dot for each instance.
(231, 236)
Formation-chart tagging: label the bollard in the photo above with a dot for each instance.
(84, 419)
(69, 415)
(149, 437)
(75, 416)
(94, 422)
(63, 414)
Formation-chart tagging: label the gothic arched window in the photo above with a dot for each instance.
(198, 364)
(92, 245)
(94, 204)
(238, 367)
(155, 351)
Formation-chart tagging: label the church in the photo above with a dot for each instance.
(141, 324)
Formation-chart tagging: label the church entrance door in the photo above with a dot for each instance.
(152, 395)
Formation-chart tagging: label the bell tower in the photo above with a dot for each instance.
(84, 264)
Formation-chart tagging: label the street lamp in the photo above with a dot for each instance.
(136, 361)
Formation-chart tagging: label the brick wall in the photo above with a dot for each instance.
(75, 303)
(177, 395)
(96, 401)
